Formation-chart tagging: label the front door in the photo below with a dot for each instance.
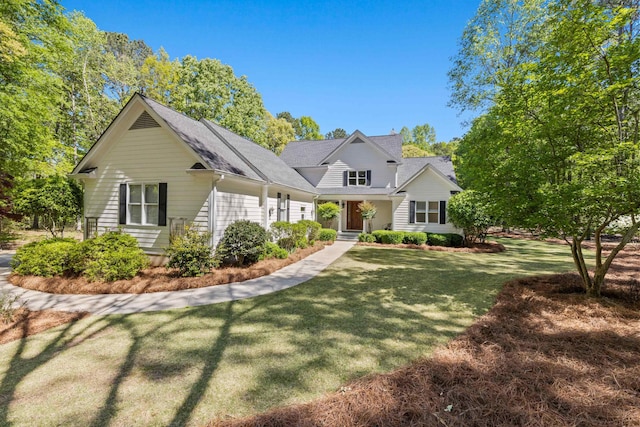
(354, 217)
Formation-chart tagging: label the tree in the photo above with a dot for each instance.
(279, 132)
(557, 149)
(208, 89)
(337, 133)
(309, 129)
(412, 150)
(126, 58)
(159, 76)
(421, 136)
(295, 123)
(56, 200)
(470, 210)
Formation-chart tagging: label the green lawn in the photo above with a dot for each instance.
(373, 310)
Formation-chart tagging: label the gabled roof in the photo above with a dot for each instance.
(271, 167)
(219, 149)
(414, 166)
(298, 154)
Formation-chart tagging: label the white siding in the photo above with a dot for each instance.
(236, 201)
(359, 156)
(428, 187)
(152, 156)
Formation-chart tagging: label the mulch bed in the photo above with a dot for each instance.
(159, 279)
(543, 355)
(487, 247)
(26, 322)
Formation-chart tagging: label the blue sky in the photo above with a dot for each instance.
(367, 65)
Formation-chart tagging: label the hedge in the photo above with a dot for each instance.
(327, 235)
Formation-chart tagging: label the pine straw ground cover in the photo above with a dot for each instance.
(160, 279)
(26, 322)
(544, 355)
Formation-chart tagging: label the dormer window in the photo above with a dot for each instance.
(357, 178)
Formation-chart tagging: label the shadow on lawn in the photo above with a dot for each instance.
(330, 330)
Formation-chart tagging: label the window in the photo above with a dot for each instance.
(90, 227)
(358, 178)
(283, 207)
(429, 212)
(302, 211)
(421, 212)
(434, 214)
(143, 204)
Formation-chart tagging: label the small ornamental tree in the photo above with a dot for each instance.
(327, 212)
(56, 200)
(368, 211)
(469, 210)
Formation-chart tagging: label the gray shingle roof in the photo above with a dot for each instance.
(270, 166)
(311, 153)
(225, 151)
(412, 165)
(204, 142)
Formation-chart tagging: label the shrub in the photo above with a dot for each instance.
(377, 235)
(290, 236)
(242, 243)
(366, 237)
(435, 239)
(393, 237)
(271, 250)
(470, 210)
(327, 235)
(415, 238)
(327, 212)
(368, 211)
(109, 257)
(47, 258)
(190, 253)
(456, 240)
(313, 229)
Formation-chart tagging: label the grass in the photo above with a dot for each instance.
(372, 311)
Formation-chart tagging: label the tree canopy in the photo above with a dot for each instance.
(557, 146)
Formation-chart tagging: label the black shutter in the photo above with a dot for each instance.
(288, 207)
(122, 209)
(162, 204)
(443, 212)
(368, 177)
(279, 208)
(345, 178)
(412, 212)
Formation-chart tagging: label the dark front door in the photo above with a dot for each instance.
(354, 217)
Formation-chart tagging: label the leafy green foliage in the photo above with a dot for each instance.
(412, 150)
(272, 250)
(388, 236)
(242, 243)
(415, 238)
(327, 235)
(436, 239)
(56, 200)
(278, 133)
(305, 128)
(470, 210)
(557, 148)
(290, 236)
(46, 258)
(366, 238)
(190, 253)
(111, 256)
(313, 229)
(327, 212)
(337, 133)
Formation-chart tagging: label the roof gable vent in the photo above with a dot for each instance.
(357, 141)
(145, 121)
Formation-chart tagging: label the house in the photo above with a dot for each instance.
(154, 170)
(410, 194)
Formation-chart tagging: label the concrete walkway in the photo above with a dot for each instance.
(284, 278)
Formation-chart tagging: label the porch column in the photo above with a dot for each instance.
(212, 217)
(265, 206)
(364, 222)
(340, 216)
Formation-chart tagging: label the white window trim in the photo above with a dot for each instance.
(142, 204)
(427, 211)
(357, 178)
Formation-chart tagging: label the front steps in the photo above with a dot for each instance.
(348, 236)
